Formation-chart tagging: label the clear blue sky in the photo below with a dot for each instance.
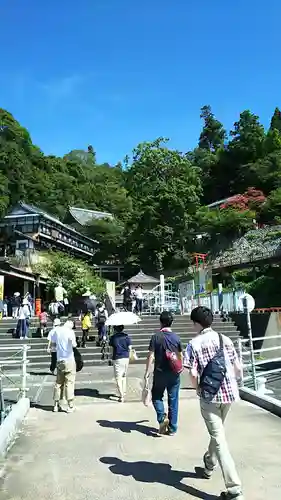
(113, 73)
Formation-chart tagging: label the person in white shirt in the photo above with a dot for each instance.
(63, 338)
(23, 315)
(139, 299)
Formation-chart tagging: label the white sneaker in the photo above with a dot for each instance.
(70, 409)
(56, 408)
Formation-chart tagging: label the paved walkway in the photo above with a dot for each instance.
(108, 450)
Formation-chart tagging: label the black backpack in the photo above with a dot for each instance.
(127, 294)
(213, 374)
(101, 317)
(78, 359)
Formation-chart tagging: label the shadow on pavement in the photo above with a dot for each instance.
(42, 374)
(94, 393)
(41, 407)
(128, 427)
(32, 405)
(151, 472)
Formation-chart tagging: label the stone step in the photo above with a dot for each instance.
(39, 359)
(38, 350)
(133, 333)
(143, 325)
(139, 338)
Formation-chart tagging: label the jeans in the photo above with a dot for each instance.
(101, 331)
(22, 328)
(214, 415)
(171, 382)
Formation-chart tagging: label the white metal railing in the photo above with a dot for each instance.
(19, 360)
(251, 364)
(160, 298)
(230, 301)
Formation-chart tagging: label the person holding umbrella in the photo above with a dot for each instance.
(121, 345)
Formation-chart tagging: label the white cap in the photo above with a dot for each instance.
(56, 322)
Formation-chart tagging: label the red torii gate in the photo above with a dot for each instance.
(200, 259)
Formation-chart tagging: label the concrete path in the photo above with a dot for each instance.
(106, 450)
(91, 383)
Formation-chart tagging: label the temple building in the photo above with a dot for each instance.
(25, 232)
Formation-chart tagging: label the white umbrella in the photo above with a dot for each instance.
(122, 318)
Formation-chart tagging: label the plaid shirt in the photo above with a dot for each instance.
(201, 350)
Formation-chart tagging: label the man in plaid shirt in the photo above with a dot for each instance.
(198, 354)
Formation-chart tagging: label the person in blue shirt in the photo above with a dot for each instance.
(121, 345)
(164, 378)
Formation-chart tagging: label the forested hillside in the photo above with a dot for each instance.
(157, 195)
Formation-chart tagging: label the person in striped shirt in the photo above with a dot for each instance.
(198, 353)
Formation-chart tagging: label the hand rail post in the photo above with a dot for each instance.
(240, 357)
(2, 401)
(24, 371)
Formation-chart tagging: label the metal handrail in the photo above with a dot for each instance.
(22, 388)
(252, 375)
(262, 338)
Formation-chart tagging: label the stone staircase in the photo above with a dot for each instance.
(39, 359)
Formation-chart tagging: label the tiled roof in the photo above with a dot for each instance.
(142, 278)
(84, 216)
(36, 210)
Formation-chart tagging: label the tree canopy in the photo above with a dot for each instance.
(76, 276)
(158, 196)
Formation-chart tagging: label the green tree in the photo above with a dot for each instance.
(247, 138)
(213, 134)
(84, 157)
(165, 190)
(111, 237)
(275, 123)
(77, 276)
(271, 210)
(272, 141)
(228, 223)
(208, 163)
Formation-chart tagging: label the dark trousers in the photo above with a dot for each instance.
(170, 382)
(127, 305)
(22, 328)
(139, 305)
(53, 364)
(85, 336)
(101, 331)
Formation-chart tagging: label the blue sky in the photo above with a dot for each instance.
(113, 73)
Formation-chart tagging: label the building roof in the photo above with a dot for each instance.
(22, 208)
(84, 216)
(142, 278)
(220, 202)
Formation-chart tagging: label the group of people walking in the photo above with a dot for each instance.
(132, 298)
(214, 370)
(62, 346)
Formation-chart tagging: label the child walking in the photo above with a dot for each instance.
(43, 318)
(86, 324)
